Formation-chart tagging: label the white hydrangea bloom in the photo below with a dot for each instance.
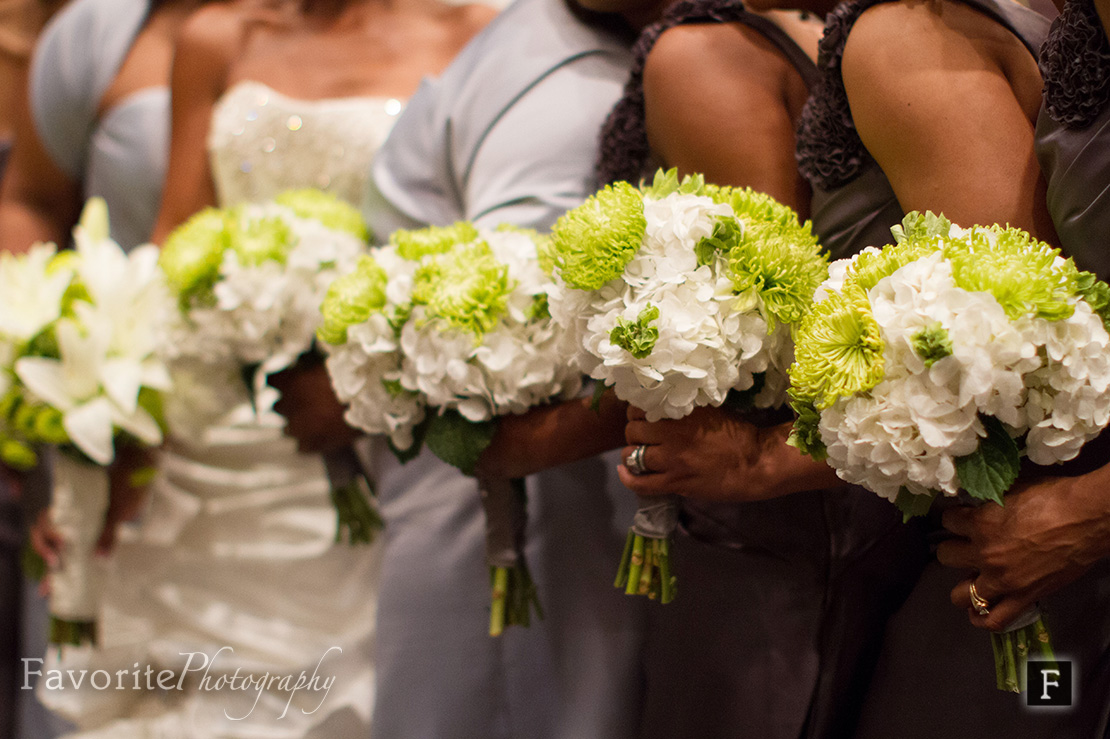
(516, 365)
(1045, 379)
(266, 313)
(709, 340)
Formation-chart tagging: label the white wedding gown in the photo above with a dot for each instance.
(236, 550)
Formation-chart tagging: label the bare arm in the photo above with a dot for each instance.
(718, 100)
(197, 80)
(945, 100)
(38, 201)
(722, 101)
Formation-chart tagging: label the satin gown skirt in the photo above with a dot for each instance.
(234, 568)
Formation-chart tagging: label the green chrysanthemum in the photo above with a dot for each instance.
(260, 240)
(326, 208)
(637, 337)
(870, 267)
(774, 255)
(1024, 275)
(192, 254)
(595, 241)
(838, 350)
(351, 299)
(468, 287)
(417, 244)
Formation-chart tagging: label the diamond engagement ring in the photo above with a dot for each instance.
(635, 461)
(978, 602)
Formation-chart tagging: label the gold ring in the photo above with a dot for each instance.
(978, 602)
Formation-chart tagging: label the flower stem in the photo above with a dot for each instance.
(74, 633)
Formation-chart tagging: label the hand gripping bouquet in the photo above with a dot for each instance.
(433, 338)
(249, 281)
(79, 339)
(930, 367)
(677, 295)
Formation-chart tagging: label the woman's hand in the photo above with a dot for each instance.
(1048, 533)
(128, 482)
(714, 454)
(313, 415)
(552, 435)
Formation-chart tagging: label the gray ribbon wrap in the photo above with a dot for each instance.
(503, 501)
(657, 516)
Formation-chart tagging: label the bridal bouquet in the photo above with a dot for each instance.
(678, 294)
(930, 367)
(249, 281)
(80, 369)
(435, 336)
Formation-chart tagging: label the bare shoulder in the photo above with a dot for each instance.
(211, 36)
(465, 21)
(890, 38)
(714, 55)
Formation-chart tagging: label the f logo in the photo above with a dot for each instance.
(1049, 683)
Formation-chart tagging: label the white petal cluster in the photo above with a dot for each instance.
(1048, 379)
(366, 371)
(710, 340)
(510, 368)
(107, 344)
(266, 313)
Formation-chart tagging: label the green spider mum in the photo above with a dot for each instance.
(838, 349)
(416, 244)
(351, 299)
(595, 241)
(1024, 275)
(467, 287)
(333, 213)
(773, 255)
(256, 241)
(192, 254)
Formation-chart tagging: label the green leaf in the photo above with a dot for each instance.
(917, 225)
(457, 441)
(913, 504)
(988, 472)
(595, 399)
(805, 436)
(1097, 294)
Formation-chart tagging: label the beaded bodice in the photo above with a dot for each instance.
(262, 142)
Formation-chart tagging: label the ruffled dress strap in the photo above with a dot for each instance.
(1075, 64)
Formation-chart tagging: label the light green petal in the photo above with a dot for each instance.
(351, 299)
(417, 244)
(774, 255)
(325, 208)
(259, 240)
(467, 287)
(192, 254)
(838, 350)
(1024, 275)
(595, 241)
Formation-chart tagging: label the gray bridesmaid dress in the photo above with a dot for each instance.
(120, 154)
(507, 135)
(772, 634)
(935, 676)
